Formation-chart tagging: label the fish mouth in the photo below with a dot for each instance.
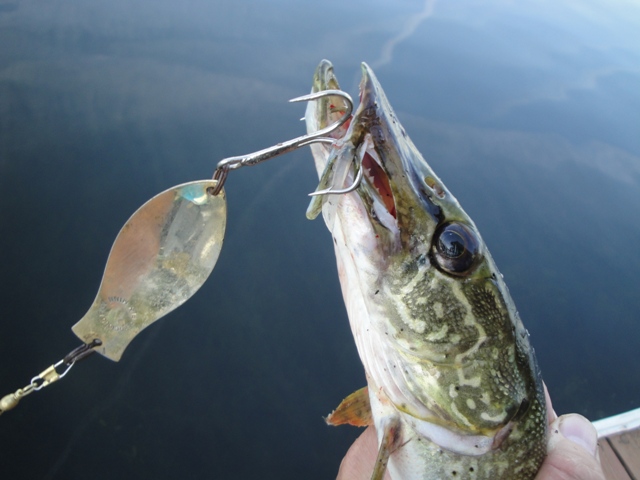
(375, 189)
(353, 149)
(397, 186)
(378, 181)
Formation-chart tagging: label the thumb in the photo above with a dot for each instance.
(572, 453)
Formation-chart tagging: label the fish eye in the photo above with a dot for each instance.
(456, 248)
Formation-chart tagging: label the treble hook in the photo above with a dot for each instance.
(232, 163)
(349, 189)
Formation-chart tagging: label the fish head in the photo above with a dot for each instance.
(408, 215)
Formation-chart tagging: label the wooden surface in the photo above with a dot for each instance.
(620, 455)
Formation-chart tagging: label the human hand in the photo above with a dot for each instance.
(572, 451)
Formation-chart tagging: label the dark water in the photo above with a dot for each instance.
(529, 111)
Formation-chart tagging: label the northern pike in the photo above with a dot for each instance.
(453, 387)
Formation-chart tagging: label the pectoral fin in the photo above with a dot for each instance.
(353, 410)
(390, 443)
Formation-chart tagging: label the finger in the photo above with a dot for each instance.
(572, 451)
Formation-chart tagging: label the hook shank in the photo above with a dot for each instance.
(232, 163)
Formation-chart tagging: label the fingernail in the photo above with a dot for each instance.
(580, 431)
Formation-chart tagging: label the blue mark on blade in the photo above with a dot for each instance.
(195, 193)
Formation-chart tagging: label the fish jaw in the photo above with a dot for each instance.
(445, 353)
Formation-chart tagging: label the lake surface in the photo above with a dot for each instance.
(529, 112)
